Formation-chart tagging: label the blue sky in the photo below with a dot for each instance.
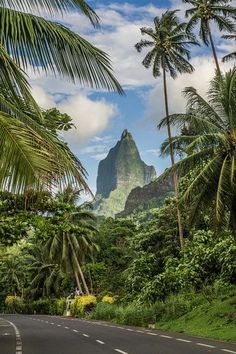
(101, 117)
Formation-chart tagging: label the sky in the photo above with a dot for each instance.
(100, 117)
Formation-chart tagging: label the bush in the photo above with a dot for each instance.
(109, 299)
(13, 304)
(83, 304)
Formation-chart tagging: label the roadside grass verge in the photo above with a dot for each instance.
(194, 314)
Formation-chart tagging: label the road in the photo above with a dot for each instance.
(21, 334)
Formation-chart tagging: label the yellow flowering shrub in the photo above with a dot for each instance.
(82, 304)
(108, 298)
(13, 303)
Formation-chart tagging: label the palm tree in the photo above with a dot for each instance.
(207, 11)
(71, 233)
(231, 55)
(46, 276)
(169, 41)
(30, 155)
(211, 150)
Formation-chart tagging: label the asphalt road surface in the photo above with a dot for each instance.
(21, 334)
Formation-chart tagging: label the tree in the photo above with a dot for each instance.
(169, 41)
(233, 54)
(69, 239)
(207, 11)
(211, 151)
(30, 156)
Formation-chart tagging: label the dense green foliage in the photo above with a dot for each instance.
(150, 267)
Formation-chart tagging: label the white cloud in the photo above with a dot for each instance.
(43, 99)
(99, 157)
(92, 149)
(90, 117)
(199, 79)
(154, 152)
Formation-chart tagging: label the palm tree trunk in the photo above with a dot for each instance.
(213, 49)
(175, 176)
(78, 282)
(79, 268)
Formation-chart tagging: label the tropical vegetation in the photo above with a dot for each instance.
(145, 268)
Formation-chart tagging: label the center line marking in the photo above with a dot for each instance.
(228, 351)
(152, 334)
(164, 336)
(74, 330)
(129, 329)
(206, 345)
(58, 325)
(120, 351)
(99, 341)
(85, 335)
(66, 327)
(183, 340)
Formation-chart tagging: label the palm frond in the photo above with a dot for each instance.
(38, 43)
(52, 6)
(24, 161)
(14, 80)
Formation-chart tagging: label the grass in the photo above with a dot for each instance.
(194, 314)
(216, 319)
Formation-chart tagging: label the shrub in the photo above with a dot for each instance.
(108, 298)
(13, 304)
(83, 304)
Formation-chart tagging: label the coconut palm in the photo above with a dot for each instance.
(169, 53)
(206, 12)
(46, 276)
(233, 54)
(31, 156)
(71, 239)
(211, 150)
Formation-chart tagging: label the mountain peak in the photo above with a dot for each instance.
(126, 134)
(120, 172)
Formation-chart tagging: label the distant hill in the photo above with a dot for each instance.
(120, 172)
(149, 196)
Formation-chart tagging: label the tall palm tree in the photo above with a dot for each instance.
(169, 41)
(233, 54)
(46, 276)
(71, 233)
(30, 155)
(207, 12)
(211, 150)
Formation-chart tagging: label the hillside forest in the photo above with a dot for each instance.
(172, 266)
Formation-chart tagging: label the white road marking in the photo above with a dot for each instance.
(66, 327)
(85, 335)
(120, 327)
(120, 351)
(164, 336)
(140, 331)
(152, 334)
(99, 341)
(129, 329)
(228, 351)
(184, 340)
(206, 345)
(18, 339)
(58, 325)
(75, 330)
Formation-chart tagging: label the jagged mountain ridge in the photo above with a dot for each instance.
(150, 195)
(120, 172)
